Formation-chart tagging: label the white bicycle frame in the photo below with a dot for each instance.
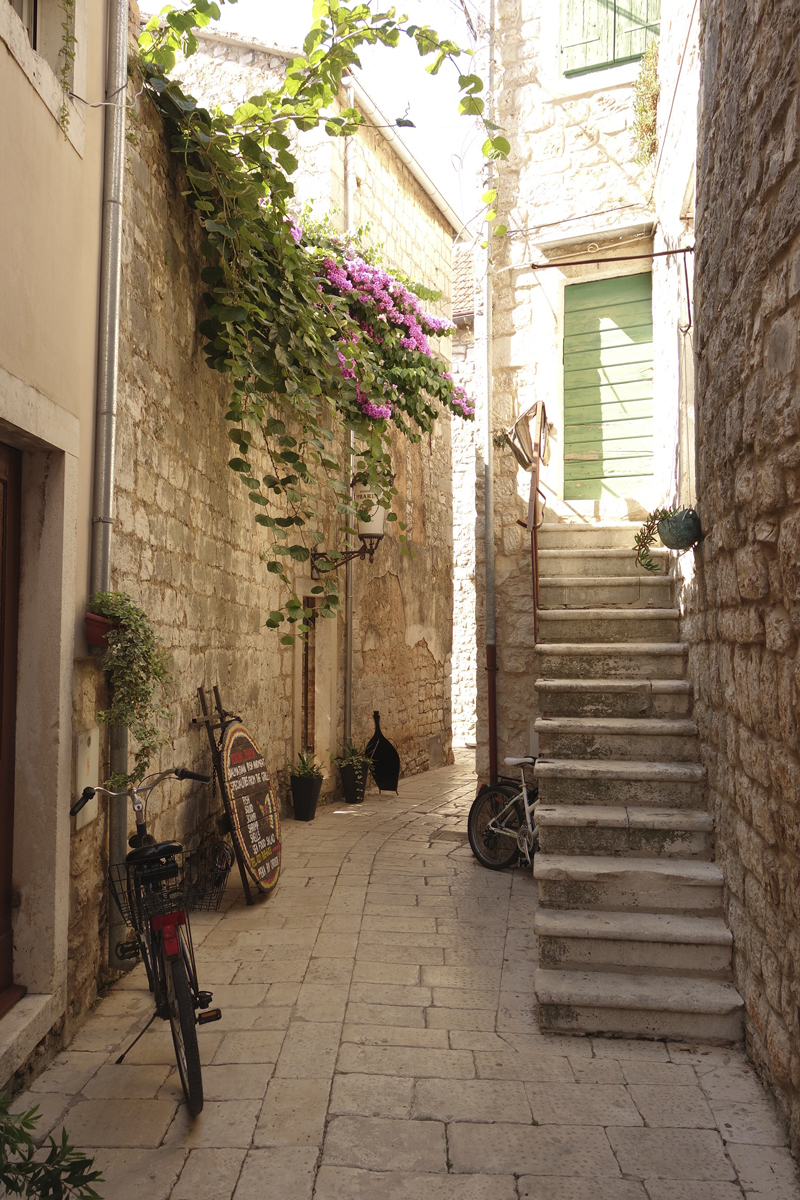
(525, 836)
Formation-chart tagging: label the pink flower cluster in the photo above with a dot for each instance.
(375, 288)
(395, 305)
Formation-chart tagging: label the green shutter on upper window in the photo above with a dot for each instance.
(587, 32)
(636, 26)
(599, 33)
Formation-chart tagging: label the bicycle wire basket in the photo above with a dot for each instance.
(194, 881)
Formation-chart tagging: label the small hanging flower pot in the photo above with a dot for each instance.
(681, 530)
(678, 528)
(98, 629)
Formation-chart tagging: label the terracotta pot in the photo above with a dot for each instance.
(305, 794)
(98, 629)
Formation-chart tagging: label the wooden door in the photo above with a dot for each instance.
(608, 388)
(10, 462)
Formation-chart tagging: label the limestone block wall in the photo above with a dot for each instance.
(744, 603)
(187, 549)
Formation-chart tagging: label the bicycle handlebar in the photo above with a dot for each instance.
(88, 793)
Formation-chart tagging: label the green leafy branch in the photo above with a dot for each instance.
(308, 360)
(61, 1173)
(645, 539)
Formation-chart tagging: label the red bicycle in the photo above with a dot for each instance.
(154, 889)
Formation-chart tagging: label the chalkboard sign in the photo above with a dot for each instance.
(251, 806)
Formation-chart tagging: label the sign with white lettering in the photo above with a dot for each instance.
(251, 805)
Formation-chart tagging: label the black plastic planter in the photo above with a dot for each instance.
(305, 794)
(354, 783)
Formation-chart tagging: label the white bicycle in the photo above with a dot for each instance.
(501, 823)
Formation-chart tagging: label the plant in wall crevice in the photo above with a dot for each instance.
(646, 91)
(137, 664)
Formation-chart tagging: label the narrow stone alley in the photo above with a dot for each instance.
(379, 1040)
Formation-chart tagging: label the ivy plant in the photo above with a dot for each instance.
(316, 339)
(137, 663)
(58, 1172)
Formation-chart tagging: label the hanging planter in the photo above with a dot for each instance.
(98, 629)
(678, 528)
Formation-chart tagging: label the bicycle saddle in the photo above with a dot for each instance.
(151, 853)
(528, 759)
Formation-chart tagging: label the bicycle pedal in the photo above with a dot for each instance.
(211, 1014)
(203, 999)
(126, 950)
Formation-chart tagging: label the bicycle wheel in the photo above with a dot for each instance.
(494, 848)
(184, 1031)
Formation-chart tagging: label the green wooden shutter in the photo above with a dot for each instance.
(608, 388)
(637, 25)
(587, 33)
(599, 33)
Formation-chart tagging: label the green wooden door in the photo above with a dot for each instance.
(608, 388)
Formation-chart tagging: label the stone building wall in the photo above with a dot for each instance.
(186, 547)
(744, 602)
(465, 447)
(570, 174)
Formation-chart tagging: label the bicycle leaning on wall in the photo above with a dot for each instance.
(154, 889)
(501, 823)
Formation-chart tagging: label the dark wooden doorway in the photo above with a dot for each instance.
(10, 471)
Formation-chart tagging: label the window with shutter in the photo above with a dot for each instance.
(604, 33)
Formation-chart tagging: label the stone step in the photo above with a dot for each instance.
(613, 660)
(616, 561)
(630, 942)
(629, 884)
(605, 591)
(634, 831)
(614, 697)
(654, 1006)
(650, 739)
(564, 535)
(606, 625)
(619, 781)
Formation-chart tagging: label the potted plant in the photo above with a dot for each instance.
(353, 764)
(306, 779)
(136, 661)
(678, 528)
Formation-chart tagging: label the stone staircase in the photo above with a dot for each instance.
(631, 936)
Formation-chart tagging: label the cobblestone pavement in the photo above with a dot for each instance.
(378, 1042)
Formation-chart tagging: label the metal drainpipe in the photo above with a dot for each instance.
(106, 410)
(488, 451)
(349, 198)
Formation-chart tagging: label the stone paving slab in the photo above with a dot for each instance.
(379, 1042)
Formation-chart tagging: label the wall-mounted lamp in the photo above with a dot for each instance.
(370, 534)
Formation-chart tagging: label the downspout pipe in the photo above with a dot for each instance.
(488, 458)
(106, 402)
(349, 207)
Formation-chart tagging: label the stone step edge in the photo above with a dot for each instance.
(645, 687)
(601, 552)
(610, 768)
(652, 993)
(601, 868)
(589, 816)
(574, 649)
(628, 726)
(631, 927)
(610, 614)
